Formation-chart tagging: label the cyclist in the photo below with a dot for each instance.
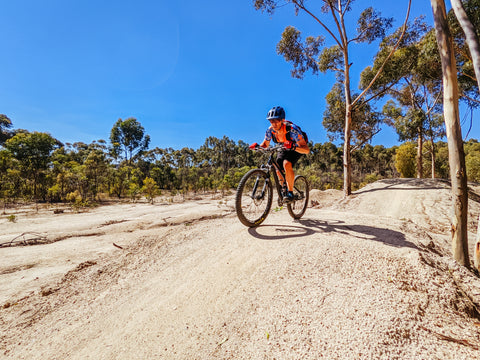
(294, 144)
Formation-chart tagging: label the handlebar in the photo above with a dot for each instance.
(269, 149)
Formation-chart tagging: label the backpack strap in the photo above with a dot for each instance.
(288, 128)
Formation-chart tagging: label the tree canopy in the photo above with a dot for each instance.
(129, 136)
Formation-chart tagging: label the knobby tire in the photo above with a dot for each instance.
(254, 196)
(301, 189)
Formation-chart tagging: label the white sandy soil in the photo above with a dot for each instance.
(369, 277)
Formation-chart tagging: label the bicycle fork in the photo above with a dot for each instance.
(254, 195)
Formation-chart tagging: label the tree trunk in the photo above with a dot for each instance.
(476, 254)
(433, 159)
(456, 155)
(470, 35)
(474, 47)
(347, 162)
(420, 154)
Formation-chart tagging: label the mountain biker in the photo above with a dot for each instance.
(294, 144)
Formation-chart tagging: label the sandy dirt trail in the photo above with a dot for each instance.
(342, 283)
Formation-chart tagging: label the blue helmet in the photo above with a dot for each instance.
(276, 112)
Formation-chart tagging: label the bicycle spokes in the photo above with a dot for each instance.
(300, 195)
(254, 197)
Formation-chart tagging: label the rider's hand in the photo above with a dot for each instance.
(254, 146)
(289, 145)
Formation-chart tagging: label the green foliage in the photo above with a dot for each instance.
(134, 191)
(78, 173)
(5, 124)
(331, 59)
(371, 26)
(150, 189)
(33, 151)
(365, 121)
(301, 54)
(370, 178)
(412, 80)
(472, 160)
(405, 160)
(128, 136)
(466, 75)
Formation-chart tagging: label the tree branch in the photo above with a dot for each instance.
(301, 6)
(346, 7)
(388, 57)
(358, 146)
(470, 99)
(382, 92)
(470, 34)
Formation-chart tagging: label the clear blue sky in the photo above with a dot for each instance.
(185, 69)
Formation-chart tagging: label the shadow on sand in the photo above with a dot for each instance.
(310, 227)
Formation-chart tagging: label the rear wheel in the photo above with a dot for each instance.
(299, 205)
(254, 198)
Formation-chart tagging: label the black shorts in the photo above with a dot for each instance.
(290, 155)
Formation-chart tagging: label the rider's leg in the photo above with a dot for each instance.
(280, 178)
(289, 174)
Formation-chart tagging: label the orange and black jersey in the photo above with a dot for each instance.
(295, 133)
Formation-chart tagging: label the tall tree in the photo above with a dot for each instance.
(5, 124)
(458, 173)
(467, 80)
(412, 78)
(33, 151)
(470, 35)
(474, 47)
(302, 55)
(129, 136)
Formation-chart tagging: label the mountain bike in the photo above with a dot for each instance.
(254, 196)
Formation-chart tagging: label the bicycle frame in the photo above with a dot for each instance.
(273, 167)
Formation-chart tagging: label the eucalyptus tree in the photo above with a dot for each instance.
(365, 120)
(469, 20)
(218, 153)
(312, 55)
(415, 124)
(5, 124)
(33, 152)
(128, 136)
(96, 164)
(7, 185)
(465, 25)
(412, 78)
(456, 155)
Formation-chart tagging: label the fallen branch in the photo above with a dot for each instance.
(21, 239)
(449, 338)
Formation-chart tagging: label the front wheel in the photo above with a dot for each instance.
(254, 198)
(299, 205)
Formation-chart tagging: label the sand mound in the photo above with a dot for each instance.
(426, 202)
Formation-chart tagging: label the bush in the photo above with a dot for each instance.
(405, 160)
(74, 197)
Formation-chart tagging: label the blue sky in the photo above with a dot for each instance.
(185, 69)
